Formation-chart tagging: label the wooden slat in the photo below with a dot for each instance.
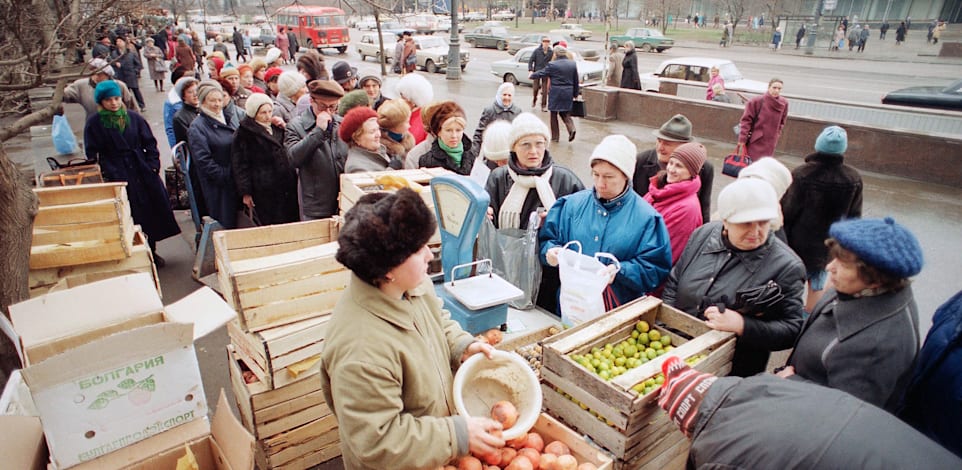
(573, 415)
(87, 252)
(322, 251)
(296, 287)
(301, 434)
(651, 368)
(586, 332)
(287, 338)
(241, 391)
(107, 210)
(291, 421)
(278, 235)
(280, 410)
(251, 280)
(140, 260)
(294, 453)
(293, 391)
(280, 313)
(552, 430)
(56, 234)
(56, 196)
(615, 415)
(313, 459)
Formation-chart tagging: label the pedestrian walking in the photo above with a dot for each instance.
(295, 46)
(127, 64)
(863, 38)
(838, 40)
(629, 68)
(538, 61)
(155, 64)
(763, 120)
(615, 69)
(409, 55)
(852, 37)
(282, 43)
(883, 30)
(900, 34)
(240, 53)
(219, 46)
(565, 87)
(776, 40)
(799, 35)
(937, 32)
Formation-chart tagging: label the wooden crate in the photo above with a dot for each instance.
(82, 224)
(355, 185)
(282, 355)
(293, 426)
(529, 346)
(632, 426)
(280, 274)
(140, 260)
(551, 430)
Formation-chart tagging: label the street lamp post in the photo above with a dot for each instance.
(454, 49)
(810, 45)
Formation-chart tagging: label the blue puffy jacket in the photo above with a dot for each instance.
(627, 227)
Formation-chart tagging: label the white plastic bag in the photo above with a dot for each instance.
(583, 283)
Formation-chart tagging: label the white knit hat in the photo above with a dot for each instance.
(290, 82)
(619, 151)
(528, 124)
(495, 143)
(272, 55)
(415, 88)
(748, 200)
(254, 103)
(771, 171)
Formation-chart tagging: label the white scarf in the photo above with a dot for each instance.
(218, 116)
(510, 214)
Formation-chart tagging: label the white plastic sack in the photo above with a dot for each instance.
(514, 257)
(583, 283)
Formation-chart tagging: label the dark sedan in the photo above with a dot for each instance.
(487, 36)
(948, 98)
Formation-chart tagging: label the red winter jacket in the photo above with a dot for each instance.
(764, 118)
(678, 205)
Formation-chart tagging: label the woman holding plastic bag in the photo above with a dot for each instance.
(612, 218)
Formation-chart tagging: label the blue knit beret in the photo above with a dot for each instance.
(833, 140)
(882, 244)
(106, 89)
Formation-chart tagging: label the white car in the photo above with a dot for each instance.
(366, 24)
(698, 70)
(515, 69)
(369, 46)
(573, 31)
(432, 54)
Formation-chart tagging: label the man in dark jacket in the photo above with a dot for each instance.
(316, 151)
(673, 133)
(824, 190)
(294, 46)
(160, 40)
(101, 49)
(767, 422)
(238, 40)
(565, 87)
(539, 60)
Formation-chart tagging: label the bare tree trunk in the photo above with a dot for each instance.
(18, 207)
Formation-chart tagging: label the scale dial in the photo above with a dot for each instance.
(453, 205)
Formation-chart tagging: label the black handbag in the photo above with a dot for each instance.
(734, 162)
(754, 301)
(578, 108)
(176, 188)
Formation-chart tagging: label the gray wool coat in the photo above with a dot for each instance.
(318, 154)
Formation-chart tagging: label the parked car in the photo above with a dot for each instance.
(432, 54)
(366, 24)
(936, 97)
(474, 16)
(421, 23)
(697, 70)
(515, 69)
(486, 36)
(444, 24)
(503, 15)
(262, 36)
(517, 43)
(573, 31)
(211, 31)
(369, 46)
(394, 27)
(645, 39)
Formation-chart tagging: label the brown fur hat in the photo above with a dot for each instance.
(392, 113)
(312, 63)
(440, 113)
(381, 231)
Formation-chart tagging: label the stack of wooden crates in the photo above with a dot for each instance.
(283, 281)
(629, 425)
(85, 233)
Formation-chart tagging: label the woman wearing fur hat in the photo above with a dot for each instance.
(725, 258)
(290, 88)
(124, 146)
(418, 93)
(238, 94)
(393, 116)
(259, 71)
(530, 182)
(863, 335)
(391, 392)
(502, 109)
(311, 66)
(265, 179)
(612, 218)
(494, 152)
(565, 87)
(362, 134)
(452, 150)
(210, 137)
(824, 190)
(673, 192)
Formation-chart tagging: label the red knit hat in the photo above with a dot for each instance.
(218, 63)
(353, 120)
(682, 392)
(271, 73)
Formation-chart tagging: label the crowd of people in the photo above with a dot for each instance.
(787, 262)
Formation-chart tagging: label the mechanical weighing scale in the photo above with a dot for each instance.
(479, 302)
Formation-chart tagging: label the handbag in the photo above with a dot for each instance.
(578, 108)
(734, 162)
(160, 66)
(176, 188)
(754, 301)
(74, 172)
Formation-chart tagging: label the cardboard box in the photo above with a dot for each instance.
(22, 446)
(223, 444)
(106, 374)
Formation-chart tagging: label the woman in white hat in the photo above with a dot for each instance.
(724, 259)
(612, 218)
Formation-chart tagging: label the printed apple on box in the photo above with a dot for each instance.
(105, 375)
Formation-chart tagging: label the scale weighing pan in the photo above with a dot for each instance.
(481, 291)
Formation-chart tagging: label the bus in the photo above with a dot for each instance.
(316, 27)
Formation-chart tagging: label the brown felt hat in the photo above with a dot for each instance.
(325, 88)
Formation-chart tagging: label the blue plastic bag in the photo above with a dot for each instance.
(63, 138)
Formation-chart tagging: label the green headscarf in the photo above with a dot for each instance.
(114, 119)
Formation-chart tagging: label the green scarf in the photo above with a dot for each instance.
(114, 119)
(455, 153)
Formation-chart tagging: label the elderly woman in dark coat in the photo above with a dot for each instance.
(863, 335)
(565, 87)
(629, 68)
(210, 137)
(127, 64)
(502, 109)
(126, 149)
(738, 253)
(266, 181)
